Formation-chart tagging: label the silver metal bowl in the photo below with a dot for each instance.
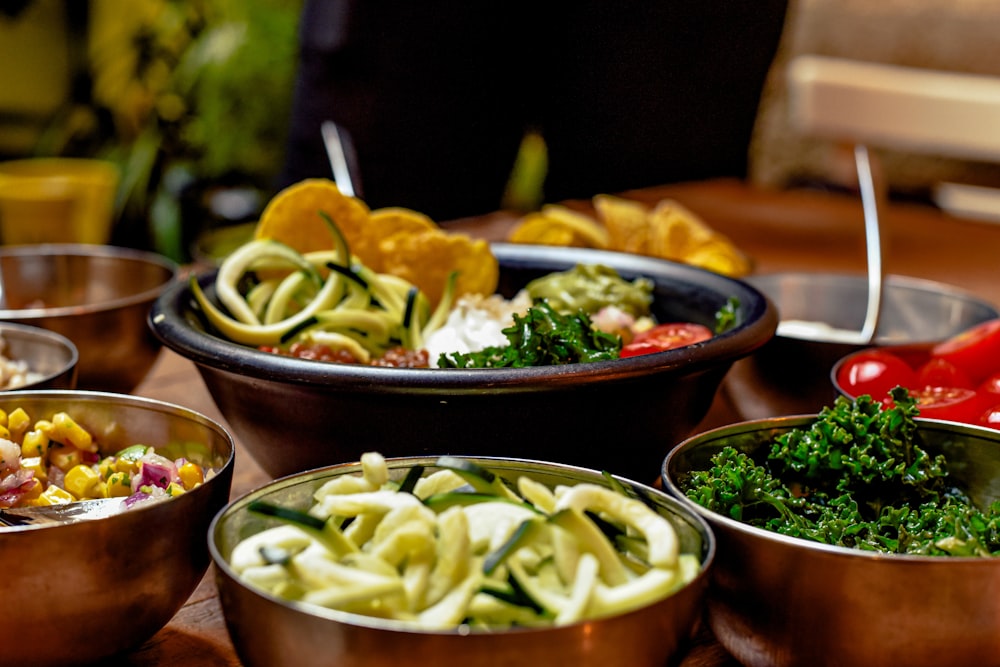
(776, 600)
(96, 296)
(268, 631)
(790, 374)
(52, 356)
(82, 592)
(621, 415)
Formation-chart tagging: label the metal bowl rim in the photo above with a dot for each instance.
(762, 535)
(358, 620)
(88, 250)
(57, 339)
(128, 401)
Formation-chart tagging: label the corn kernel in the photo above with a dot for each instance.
(66, 430)
(34, 443)
(3, 417)
(128, 459)
(191, 475)
(4, 433)
(53, 495)
(37, 466)
(174, 489)
(18, 422)
(83, 482)
(65, 457)
(119, 485)
(45, 426)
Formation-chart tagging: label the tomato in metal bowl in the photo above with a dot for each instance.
(957, 379)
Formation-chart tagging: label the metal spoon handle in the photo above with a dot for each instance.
(338, 156)
(873, 242)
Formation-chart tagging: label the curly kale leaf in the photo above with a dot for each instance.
(542, 337)
(856, 477)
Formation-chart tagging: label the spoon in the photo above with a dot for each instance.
(337, 153)
(873, 244)
(83, 510)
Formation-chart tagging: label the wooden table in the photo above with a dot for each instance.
(798, 230)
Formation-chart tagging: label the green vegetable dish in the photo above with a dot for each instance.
(857, 477)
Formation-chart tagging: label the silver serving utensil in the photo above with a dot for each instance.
(83, 510)
(339, 159)
(873, 244)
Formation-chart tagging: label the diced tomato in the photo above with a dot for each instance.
(938, 372)
(976, 351)
(666, 337)
(874, 372)
(951, 403)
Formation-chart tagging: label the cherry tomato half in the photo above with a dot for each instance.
(976, 351)
(874, 372)
(952, 403)
(938, 372)
(666, 337)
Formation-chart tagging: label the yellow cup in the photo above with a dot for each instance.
(57, 200)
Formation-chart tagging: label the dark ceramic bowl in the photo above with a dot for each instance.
(51, 356)
(620, 415)
(780, 600)
(269, 631)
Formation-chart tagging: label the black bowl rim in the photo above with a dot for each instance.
(90, 250)
(371, 622)
(762, 535)
(207, 350)
(50, 337)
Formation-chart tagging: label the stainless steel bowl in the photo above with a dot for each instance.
(790, 374)
(621, 415)
(96, 296)
(776, 600)
(271, 632)
(82, 592)
(52, 356)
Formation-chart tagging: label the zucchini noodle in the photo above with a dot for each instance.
(270, 295)
(465, 548)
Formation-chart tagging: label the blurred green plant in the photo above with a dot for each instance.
(182, 92)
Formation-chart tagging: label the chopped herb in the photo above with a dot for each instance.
(542, 337)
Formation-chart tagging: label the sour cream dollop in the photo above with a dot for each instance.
(475, 323)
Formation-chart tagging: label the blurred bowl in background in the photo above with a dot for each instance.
(780, 600)
(36, 358)
(791, 375)
(83, 592)
(96, 296)
(269, 631)
(621, 415)
(57, 200)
